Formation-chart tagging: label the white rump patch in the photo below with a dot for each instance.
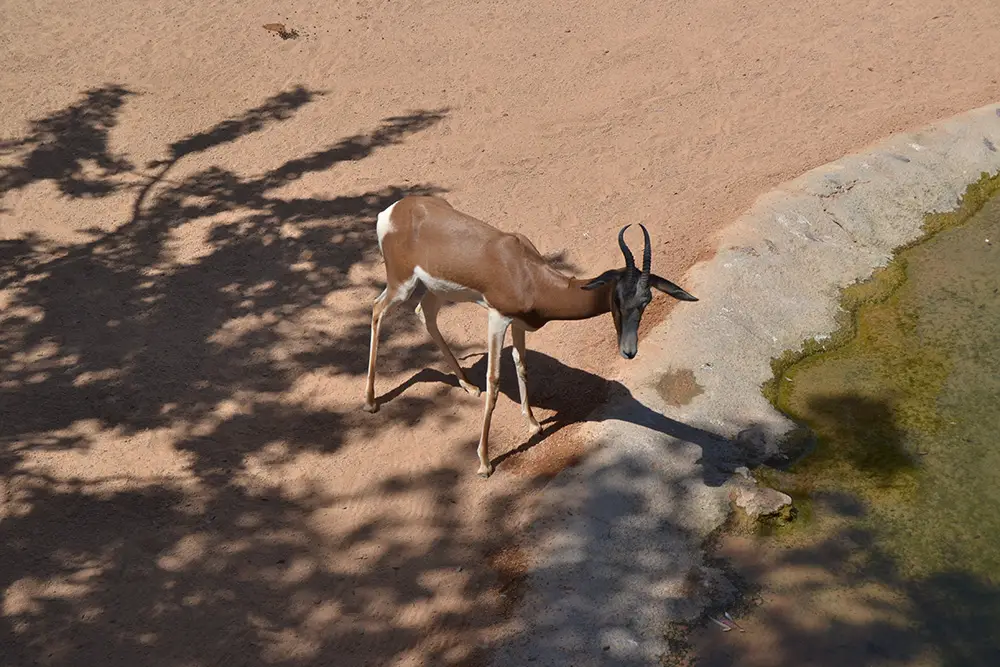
(384, 224)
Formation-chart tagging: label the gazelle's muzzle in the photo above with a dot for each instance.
(628, 340)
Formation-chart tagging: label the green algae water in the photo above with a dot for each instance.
(905, 407)
(907, 411)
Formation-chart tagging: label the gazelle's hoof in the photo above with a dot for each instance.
(370, 407)
(534, 429)
(471, 389)
(485, 471)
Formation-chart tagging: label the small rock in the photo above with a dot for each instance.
(758, 501)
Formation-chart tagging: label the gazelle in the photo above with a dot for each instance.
(457, 258)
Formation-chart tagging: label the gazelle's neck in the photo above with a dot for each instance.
(563, 298)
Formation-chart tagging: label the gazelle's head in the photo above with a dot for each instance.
(630, 293)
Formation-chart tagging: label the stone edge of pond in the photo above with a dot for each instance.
(619, 545)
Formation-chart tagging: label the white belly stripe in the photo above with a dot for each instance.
(449, 290)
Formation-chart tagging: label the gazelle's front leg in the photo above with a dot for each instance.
(518, 351)
(496, 331)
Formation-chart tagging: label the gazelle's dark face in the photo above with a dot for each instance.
(629, 299)
(631, 293)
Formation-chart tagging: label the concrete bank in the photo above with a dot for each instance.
(621, 533)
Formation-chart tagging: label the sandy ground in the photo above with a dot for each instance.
(187, 257)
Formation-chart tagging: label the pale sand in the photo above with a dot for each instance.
(187, 478)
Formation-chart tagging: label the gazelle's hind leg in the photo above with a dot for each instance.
(498, 325)
(430, 306)
(518, 350)
(391, 296)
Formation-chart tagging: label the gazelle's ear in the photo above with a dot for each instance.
(603, 279)
(670, 288)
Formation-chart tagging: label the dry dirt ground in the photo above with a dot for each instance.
(188, 257)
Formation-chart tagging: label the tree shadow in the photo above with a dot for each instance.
(838, 592)
(128, 333)
(70, 148)
(619, 559)
(574, 395)
(163, 575)
(958, 615)
(863, 432)
(122, 331)
(844, 600)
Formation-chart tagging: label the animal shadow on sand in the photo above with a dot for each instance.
(573, 396)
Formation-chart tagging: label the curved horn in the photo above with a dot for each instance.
(629, 259)
(647, 253)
